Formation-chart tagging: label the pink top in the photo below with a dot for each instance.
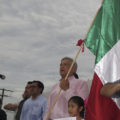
(77, 88)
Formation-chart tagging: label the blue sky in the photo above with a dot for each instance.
(36, 34)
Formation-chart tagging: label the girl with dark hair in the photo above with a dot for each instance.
(76, 107)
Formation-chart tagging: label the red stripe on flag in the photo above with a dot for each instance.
(98, 106)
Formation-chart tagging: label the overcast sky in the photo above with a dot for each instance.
(36, 34)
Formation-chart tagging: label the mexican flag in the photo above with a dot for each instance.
(103, 40)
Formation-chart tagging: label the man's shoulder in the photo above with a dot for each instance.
(72, 78)
(42, 98)
(22, 101)
(81, 81)
(28, 101)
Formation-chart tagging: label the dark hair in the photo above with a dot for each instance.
(76, 75)
(40, 84)
(29, 82)
(80, 102)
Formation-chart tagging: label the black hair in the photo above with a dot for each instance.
(76, 75)
(29, 82)
(40, 84)
(80, 102)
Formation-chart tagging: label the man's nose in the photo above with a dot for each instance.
(62, 66)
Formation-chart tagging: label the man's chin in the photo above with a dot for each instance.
(62, 75)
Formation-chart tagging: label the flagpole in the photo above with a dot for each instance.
(57, 96)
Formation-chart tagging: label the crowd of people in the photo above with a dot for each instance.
(70, 102)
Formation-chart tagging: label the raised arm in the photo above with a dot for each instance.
(110, 89)
(11, 106)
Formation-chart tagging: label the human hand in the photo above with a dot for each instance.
(11, 106)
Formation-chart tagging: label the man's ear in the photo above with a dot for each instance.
(40, 90)
(74, 69)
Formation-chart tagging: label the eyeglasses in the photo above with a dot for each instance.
(34, 86)
(28, 87)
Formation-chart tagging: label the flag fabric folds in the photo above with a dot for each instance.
(103, 40)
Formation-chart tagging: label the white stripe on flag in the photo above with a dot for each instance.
(108, 68)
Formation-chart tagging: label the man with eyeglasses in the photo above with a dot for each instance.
(18, 107)
(34, 108)
(26, 95)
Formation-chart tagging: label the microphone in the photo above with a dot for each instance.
(2, 76)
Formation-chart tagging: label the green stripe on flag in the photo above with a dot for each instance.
(105, 30)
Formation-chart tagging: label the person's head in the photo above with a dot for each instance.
(37, 88)
(28, 89)
(76, 107)
(65, 65)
